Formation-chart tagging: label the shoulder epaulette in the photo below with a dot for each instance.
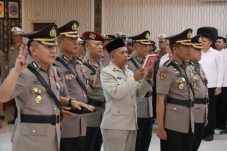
(58, 69)
(90, 66)
(167, 63)
(55, 65)
(191, 63)
(134, 63)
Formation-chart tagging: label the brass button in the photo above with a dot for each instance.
(57, 125)
(174, 109)
(39, 91)
(55, 108)
(35, 90)
(33, 131)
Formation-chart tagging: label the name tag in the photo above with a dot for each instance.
(36, 82)
(119, 78)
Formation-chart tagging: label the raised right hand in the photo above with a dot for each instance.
(21, 62)
(139, 74)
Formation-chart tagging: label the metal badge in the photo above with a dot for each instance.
(34, 65)
(35, 90)
(38, 99)
(58, 85)
(181, 86)
(67, 77)
(163, 75)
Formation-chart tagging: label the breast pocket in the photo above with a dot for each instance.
(175, 114)
(181, 84)
(33, 129)
(37, 95)
(69, 78)
(119, 80)
(199, 113)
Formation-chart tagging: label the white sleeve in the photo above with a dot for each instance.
(220, 68)
(115, 89)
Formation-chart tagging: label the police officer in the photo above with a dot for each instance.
(15, 48)
(159, 62)
(80, 53)
(175, 97)
(121, 88)
(144, 108)
(39, 92)
(92, 61)
(108, 38)
(74, 128)
(11, 58)
(201, 91)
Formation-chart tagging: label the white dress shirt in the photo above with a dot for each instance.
(163, 59)
(212, 63)
(224, 55)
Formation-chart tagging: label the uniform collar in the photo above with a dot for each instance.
(37, 66)
(115, 68)
(66, 59)
(88, 61)
(210, 50)
(179, 62)
(193, 63)
(139, 59)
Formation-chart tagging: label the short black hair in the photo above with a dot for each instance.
(221, 38)
(208, 36)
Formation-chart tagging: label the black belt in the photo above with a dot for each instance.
(201, 101)
(96, 103)
(187, 103)
(42, 119)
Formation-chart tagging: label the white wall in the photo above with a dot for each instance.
(129, 16)
(162, 16)
(57, 11)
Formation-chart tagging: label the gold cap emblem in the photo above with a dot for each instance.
(200, 39)
(74, 26)
(147, 36)
(92, 36)
(53, 32)
(189, 35)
